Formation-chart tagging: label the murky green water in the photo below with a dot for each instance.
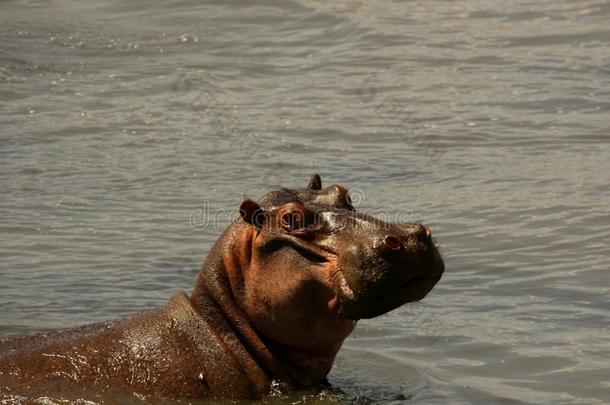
(123, 123)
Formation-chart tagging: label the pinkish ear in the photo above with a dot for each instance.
(252, 213)
(315, 183)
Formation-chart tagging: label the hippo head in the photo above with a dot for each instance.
(316, 265)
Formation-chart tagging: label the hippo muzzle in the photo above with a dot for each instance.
(382, 265)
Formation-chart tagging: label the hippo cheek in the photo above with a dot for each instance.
(292, 311)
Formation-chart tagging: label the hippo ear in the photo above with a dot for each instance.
(315, 183)
(252, 213)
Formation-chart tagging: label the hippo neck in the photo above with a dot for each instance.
(217, 295)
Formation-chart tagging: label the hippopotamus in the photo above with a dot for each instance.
(276, 296)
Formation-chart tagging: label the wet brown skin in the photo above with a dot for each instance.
(277, 295)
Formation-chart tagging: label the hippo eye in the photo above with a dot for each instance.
(293, 220)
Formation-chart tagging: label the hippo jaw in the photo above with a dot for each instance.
(363, 305)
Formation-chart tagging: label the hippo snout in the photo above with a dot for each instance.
(396, 264)
(393, 244)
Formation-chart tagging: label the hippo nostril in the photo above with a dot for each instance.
(392, 242)
(422, 232)
(427, 233)
(415, 233)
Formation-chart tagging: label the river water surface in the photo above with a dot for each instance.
(130, 131)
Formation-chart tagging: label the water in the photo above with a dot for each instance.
(123, 123)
